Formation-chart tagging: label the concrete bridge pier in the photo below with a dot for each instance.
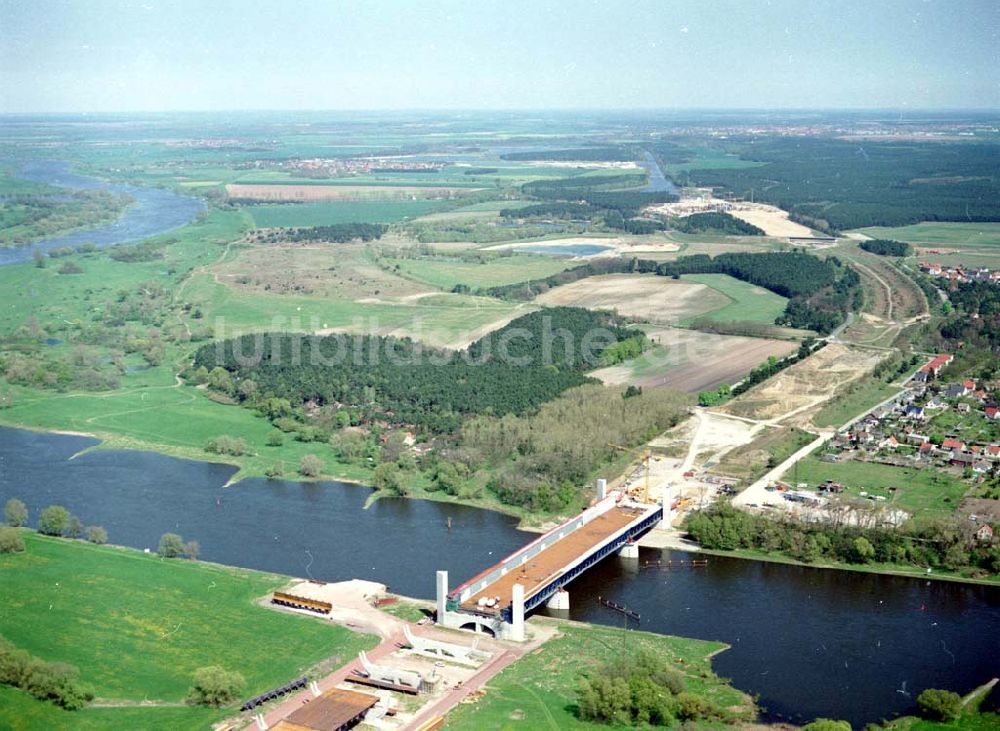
(629, 550)
(559, 601)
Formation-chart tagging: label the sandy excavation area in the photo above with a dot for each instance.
(795, 391)
(772, 220)
(335, 192)
(656, 299)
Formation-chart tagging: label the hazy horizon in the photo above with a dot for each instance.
(142, 56)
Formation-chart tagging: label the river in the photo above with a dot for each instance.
(155, 211)
(810, 642)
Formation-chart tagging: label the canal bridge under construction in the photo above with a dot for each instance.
(497, 599)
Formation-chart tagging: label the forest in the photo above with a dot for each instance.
(712, 222)
(589, 154)
(887, 247)
(835, 185)
(550, 210)
(401, 382)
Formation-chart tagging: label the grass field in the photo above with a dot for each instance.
(920, 491)
(539, 690)
(858, 398)
(138, 626)
(940, 233)
(747, 303)
(272, 215)
(772, 447)
(445, 274)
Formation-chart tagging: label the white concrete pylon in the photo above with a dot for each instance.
(517, 613)
(442, 595)
(629, 550)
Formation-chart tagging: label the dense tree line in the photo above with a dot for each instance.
(977, 320)
(836, 185)
(524, 291)
(790, 274)
(887, 247)
(712, 222)
(510, 371)
(338, 233)
(941, 545)
(556, 209)
(588, 154)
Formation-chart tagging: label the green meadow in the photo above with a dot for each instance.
(747, 303)
(928, 492)
(942, 233)
(445, 274)
(138, 626)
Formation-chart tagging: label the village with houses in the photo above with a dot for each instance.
(959, 273)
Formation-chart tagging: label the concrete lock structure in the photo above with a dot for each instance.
(497, 600)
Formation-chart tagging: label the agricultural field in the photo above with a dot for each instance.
(539, 690)
(643, 296)
(446, 320)
(946, 234)
(927, 492)
(692, 361)
(138, 626)
(291, 215)
(747, 303)
(805, 385)
(444, 273)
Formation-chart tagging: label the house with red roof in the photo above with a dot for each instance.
(953, 444)
(992, 412)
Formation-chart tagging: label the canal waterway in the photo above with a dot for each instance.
(154, 211)
(809, 642)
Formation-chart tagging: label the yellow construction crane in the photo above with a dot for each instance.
(645, 454)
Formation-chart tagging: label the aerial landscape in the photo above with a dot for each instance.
(499, 367)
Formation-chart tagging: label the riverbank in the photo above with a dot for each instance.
(911, 572)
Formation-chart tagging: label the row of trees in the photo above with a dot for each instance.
(337, 233)
(936, 545)
(55, 520)
(47, 681)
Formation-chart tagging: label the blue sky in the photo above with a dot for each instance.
(151, 55)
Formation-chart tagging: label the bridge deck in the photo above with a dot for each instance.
(549, 563)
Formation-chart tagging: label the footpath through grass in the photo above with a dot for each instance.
(539, 690)
(138, 626)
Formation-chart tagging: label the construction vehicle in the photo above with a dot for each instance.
(646, 454)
